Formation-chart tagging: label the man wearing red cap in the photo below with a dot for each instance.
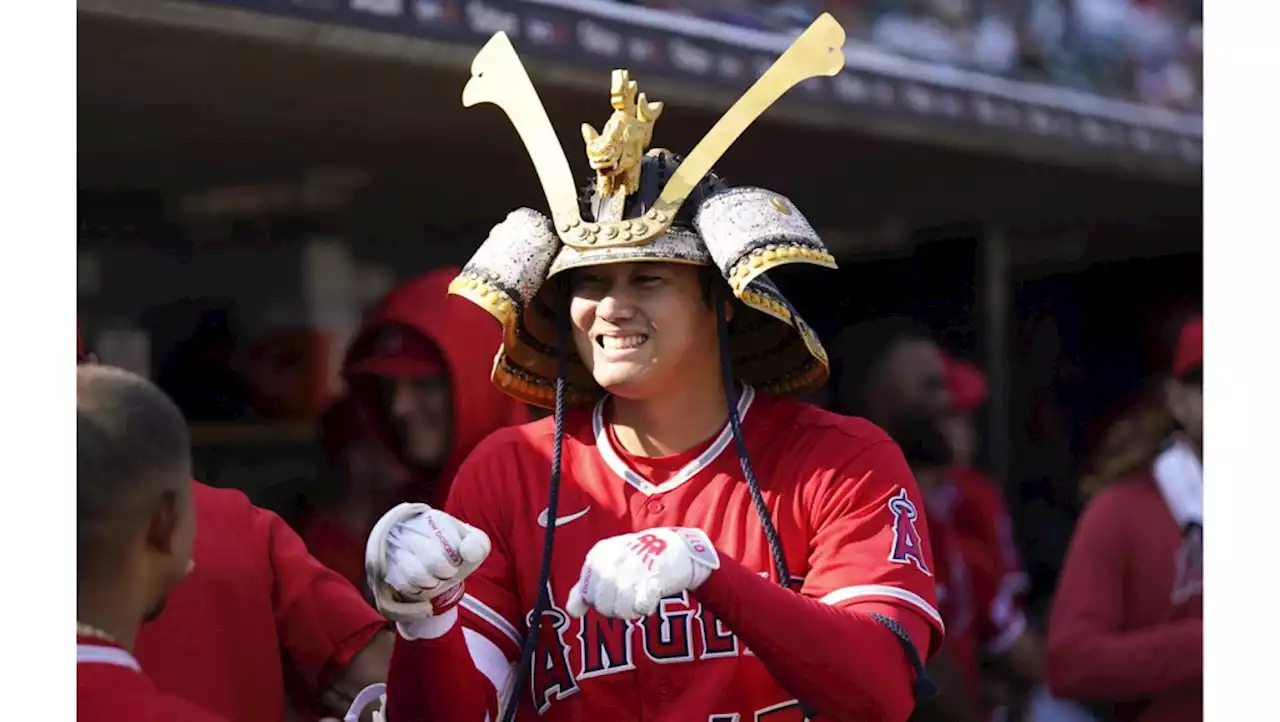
(975, 504)
(1127, 624)
(419, 401)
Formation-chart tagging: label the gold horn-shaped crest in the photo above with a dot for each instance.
(819, 51)
(498, 77)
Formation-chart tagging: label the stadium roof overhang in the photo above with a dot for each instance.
(190, 98)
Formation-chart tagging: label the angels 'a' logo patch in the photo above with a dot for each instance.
(907, 547)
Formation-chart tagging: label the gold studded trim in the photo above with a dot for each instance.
(761, 260)
(674, 246)
(586, 235)
(479, 290)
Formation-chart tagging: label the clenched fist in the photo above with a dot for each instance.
(417, 558)
(627, 576)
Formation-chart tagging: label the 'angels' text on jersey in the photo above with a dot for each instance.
(576, 650)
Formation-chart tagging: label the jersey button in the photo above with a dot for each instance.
(655, 506)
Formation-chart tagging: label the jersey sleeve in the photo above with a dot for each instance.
(1090, 654)
(870, 541)
(491, 606)
(322, 620)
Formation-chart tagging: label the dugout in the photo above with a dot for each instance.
(222, 143)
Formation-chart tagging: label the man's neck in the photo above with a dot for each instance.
(108, 608)
(674, 421)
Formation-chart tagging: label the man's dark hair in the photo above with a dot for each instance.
(858, 353)
(131, 445)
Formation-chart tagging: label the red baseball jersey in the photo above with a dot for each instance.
(840, 494)
(985, 528)
(110, 687)
(956, 590)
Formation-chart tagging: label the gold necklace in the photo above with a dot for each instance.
(88, 630)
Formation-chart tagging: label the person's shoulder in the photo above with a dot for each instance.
(1122, 503)
(1135, 489)
(807, 426)
(218, 508)
(222, 506)
(218, 499)
(824, 451)
(535, 437)
(510, 454)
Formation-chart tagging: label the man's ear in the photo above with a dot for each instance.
(728, 311)
(162, 527)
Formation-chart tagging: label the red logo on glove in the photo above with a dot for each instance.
(648, 546)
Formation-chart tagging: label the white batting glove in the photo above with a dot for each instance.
(627, 576)
(416, 560)
(374, 694)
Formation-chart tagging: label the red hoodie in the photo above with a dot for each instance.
(418, 329)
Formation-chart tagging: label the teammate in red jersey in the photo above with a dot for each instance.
(710, 550)
(891, 371)
(135, 529)
(977, 506)
(981, 513)
(258, 607)
(1127, 625)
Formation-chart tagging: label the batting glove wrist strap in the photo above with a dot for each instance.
(703, 553)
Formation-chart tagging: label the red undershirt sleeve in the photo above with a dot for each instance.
(436, 680)
(870, 570)
(808, 646)
(451, 678)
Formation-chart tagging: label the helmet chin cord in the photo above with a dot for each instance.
(532, 642)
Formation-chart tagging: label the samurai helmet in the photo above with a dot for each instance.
(645, 205)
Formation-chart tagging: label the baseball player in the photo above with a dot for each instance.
(680, 540)
(135, 531)
(255, 608)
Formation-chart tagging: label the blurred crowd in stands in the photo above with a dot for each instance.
(1148, 51)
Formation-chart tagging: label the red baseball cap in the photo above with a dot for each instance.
(400, 353)
(1188, 355)
(967, 384)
